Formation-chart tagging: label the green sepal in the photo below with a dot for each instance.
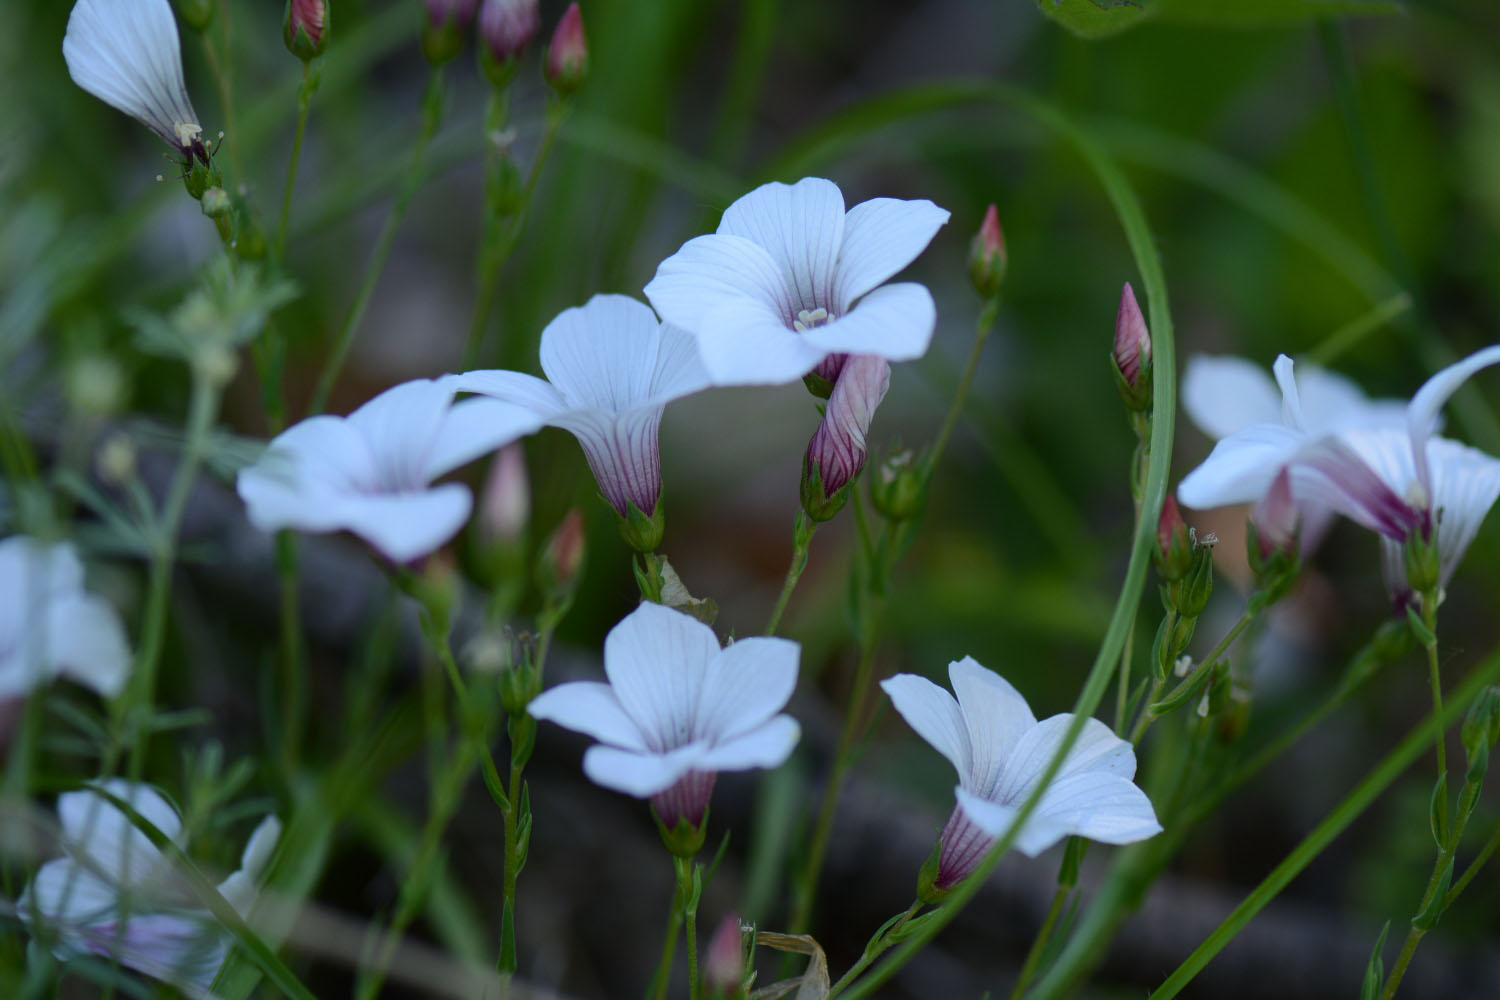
(1419, 629)
(1375, 968)
(506, 965)
(1437, 810)
(818, 385)
(684, 840)
(820, 506)
(1433, 912)
(1137, 398)
(927, 890)
(1189, 690)
(641, 531)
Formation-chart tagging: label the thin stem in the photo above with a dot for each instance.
(688, 900)
(432, 113)
(1435, 680)
(1484, 855)
(511, 814)
(875, 949)
(293, 686)
(802, 533)
(658, 990)
(982, 327)
(304, 102)
(1039, 946)
(1147, 717)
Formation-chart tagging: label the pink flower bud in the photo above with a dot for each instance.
(305, 28)
(837, 451)
(1276, 517)
(506, 506)
(987, 258)
(1174, 542)
(459, 13)
(568, 55)
(507, 27)
(1132, 340)
(724, 962)
(563, 557)
(447, 21)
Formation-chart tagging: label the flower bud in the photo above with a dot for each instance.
(987, 257)
(506, 27)
(568, 54)
(1190, 594)
(724, 962)
(521, 677)
(562, 557)
(1132, 353)
(1423, 563)
(643, 532)
(899, 489)
(447, 22)
(1174, 546)
(196, 14)
(505, 505)
(837, 451)
(1481, 728)
(304, 28)
(1271, 541)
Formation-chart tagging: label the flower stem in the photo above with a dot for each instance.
(293, 687)
(982, 327)
(802, 532)
(1484, 855)
(1147, 717)
(658, 988)
(875, 948)
(304, 101)
(432, 114)
(1039, 946)
(687, 898)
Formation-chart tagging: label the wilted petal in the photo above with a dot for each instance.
(589, 707)
(801, 226)
(881, 237)
(656, 659)
(745, 684)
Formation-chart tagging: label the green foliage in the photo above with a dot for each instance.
(1103, 18)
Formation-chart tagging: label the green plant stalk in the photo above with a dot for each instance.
(801, 542)
(507, 963)
(689, 903)
(986, 322)
(1039, 945)
(1484, 855)
(503, 231)
(1164, 388)
(293, 681)
(1138, 465)
(875, 949)
(305, 92)
(203, 406)
(432, 114)
(658, 988)
(1384, 774)
(220, 70)
(1147, 718)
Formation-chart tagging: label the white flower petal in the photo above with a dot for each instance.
(1097, 749)
(1241, 467)
(894, 321)
(535, 394)
(589, 707)
(801, 226)
(1465, 485)
(1331, 402)
(935, 716)
(400, 427)
(679, 367)
(66, 892)
(99, 831)
(768, 745)
(37, 568)
(127, 54)
(182, 949)
(1101, 806)
(656, 659)
(243, 887)
(602, 355)
(475, 427)
(745, 684)
(690, 285)
(406, 526)
(995, 716)
(994, 818)
(1223, 395)
(86, 642)
(623, 453)
(1422, 413)
(881, 237)
(743, 342)
(638, 774)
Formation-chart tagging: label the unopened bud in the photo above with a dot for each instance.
(506, 27)
(304, 28)
(1174, 544)
(520, 676)
(987, 257)
(643, 532)
(447, 22)
(899, 489)
(562, 558)
(1132, 353)
(1423, 564)
(505, 506)
(1190, 594)
(196, 14)
(1271, 542)
(116, 461)
(568, 55)
(724, 963)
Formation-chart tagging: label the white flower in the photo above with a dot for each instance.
(790, 278)
(50, 626)
(678, 709)
(115, 894)
(611, 369)
(126, 53)
(1000, 751)
(371, 472)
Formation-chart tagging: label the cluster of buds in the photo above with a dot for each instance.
(1185, 563)
(304, 28)
(1271, 542)
(1131, 356)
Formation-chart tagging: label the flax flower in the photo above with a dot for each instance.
(50, 626)
(791, 279)
(678, 709)
(127, 54)
(114, 894)
(611, 369)
(371, 472)
(1000, 751)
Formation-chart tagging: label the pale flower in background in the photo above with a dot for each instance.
(371, 472)
(678, 709)
(1000, 751)
(50, 626)
(790, 278)
(611, 370)
(116, 895)
(127, 54)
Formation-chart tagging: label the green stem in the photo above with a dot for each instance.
(658, 990)
(1147, 717)
(508, 960)
(689, 902)
(304, 102)
(1435, 680)
(802, 532)
(982, 327)
(293, 683)
(875, 949)
(1039, 946)
(432, 113)
(1484, 855)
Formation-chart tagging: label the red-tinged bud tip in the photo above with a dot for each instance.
(568, 55)
(1275, 517)
(459, 13)
(506, 506)
(304, 28)
(987, 258)
(1132, 340)
(724, 964)
(507, 27)
(1171, 527)
(563, 558)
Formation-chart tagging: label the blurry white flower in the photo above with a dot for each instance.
(116, 895)
(371, 472)
(1000, 751)
(1222, 395)
(678, 709)
(126, 53)
(611, 369)
(790, 278)
(50, 626)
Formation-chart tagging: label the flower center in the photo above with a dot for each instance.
(807, 319)
(187, 133)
